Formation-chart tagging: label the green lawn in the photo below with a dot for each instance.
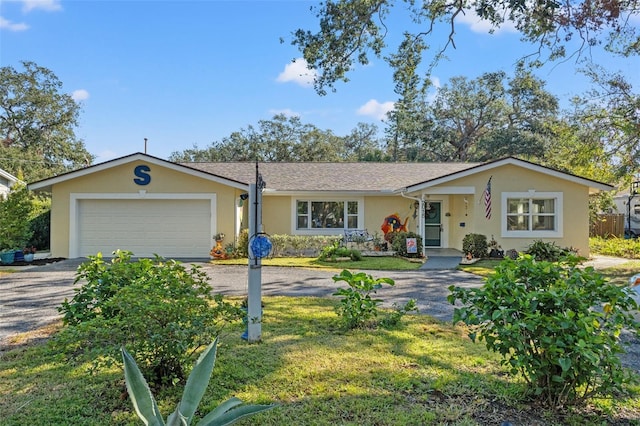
(426, 372)
(378, 263)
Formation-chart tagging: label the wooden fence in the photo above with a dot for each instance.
(607, 225)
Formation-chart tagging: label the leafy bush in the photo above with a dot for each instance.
(243, 243)
(392, 319)
(335, 250)
(618, 247)
(357, 307)
(145, 405)
(398, 242)
(41, 230)
(476, 244)
(554, 323)
(159, 309)
(102, 280)
(548, 251)
(15, 214)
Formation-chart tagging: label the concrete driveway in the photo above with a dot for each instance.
(29, 298)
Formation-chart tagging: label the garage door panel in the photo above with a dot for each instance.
(170, 228)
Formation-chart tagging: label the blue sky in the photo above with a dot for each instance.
(190, 72)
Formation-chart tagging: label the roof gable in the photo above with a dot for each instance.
(8, 177)
(592, 184)
(46, 184)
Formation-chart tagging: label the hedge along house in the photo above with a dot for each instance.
(151, 206)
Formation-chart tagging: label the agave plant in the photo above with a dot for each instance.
(145, 405)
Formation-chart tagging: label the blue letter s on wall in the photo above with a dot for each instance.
(143, 176)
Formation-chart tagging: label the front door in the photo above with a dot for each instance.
(432, 224)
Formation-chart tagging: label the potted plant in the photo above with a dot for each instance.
(29, 253)
(15, 231)
(217, 252)
(7, 256)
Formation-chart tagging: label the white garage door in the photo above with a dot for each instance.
(170, 228)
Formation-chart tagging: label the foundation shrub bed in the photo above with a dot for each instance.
(399, 243)
(476, 244)
(335, 250)
(549, 251)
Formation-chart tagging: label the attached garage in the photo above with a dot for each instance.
(141, 204)
(168, 227)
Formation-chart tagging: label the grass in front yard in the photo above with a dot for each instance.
(424, 373)
(482, 267)
(381, 263)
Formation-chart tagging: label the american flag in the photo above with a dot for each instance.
(486, 195)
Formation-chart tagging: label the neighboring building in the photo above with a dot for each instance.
(148, 205)
(630, 208)
(7, 180)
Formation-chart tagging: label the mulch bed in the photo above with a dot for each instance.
(35, 262)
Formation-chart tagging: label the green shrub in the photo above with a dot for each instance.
(398, 242)
(147, 409)
(15, 215)
(548, 251)
(555, 324)
(335, 250)
(393, 319)
(41, 230)
(243, 243)
(159, 309)
(357, 308)
(617, 247)
(476, 244)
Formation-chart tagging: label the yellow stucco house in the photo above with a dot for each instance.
(148, 205)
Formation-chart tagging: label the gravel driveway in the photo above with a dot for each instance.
(29, 297)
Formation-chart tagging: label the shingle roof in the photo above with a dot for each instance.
(318, 176)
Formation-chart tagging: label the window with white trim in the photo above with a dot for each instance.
(532, 214)
(326, 214)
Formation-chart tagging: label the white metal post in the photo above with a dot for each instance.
(254, 302)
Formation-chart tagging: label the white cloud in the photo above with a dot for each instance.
(80, 95)
(478, 25)
(47, 5)
(286, 111)
(297, 72)
(5, 24)
(375, 109)
(435, 82)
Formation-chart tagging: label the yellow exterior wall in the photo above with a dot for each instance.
(377, 208)
(276, 215)
(119, 180)
(511, 178)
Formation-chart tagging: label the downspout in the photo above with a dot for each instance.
(420, 216)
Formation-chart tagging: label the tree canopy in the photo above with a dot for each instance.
(37, 122)
(478, 119)
(288, 139)
(352, 30)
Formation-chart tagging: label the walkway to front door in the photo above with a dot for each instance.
(446, 258)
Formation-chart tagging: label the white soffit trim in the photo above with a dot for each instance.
(8, 176)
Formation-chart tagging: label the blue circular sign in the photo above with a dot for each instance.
(260, 246)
